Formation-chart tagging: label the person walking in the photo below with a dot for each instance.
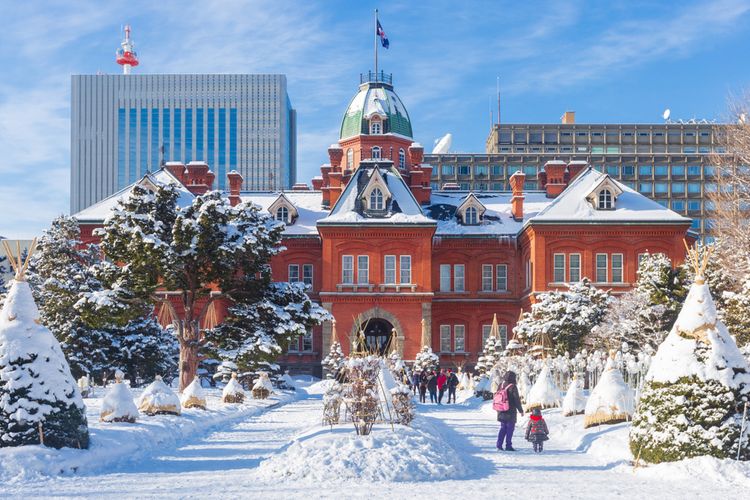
(441, 385)
(423, 387)
(432, 386)
(508, 398)
(536, 430)
(452, 385)
(415, 381)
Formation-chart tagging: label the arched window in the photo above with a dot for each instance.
(401, 159)
(375, 127)
(470, 216)
(376, 199)
(350, 158)
(605, 199)
(376, 152)
(282, 214)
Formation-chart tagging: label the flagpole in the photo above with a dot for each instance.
(376, 45)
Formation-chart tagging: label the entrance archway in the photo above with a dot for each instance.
(378, 335)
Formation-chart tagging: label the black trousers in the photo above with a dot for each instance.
(422, 394)
(433, 396)
(441, 394)
(451, 394)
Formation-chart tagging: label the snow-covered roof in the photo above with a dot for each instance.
(99, 211)
(375, 99)
(496, 220)
(402, 208)
(630, 206)
(307, 203)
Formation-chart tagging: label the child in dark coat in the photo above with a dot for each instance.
(536, 430)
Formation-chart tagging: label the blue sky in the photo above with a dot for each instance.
(615, 61)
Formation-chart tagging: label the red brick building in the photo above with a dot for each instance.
(378, 248)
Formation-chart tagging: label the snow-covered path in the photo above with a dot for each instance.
(225, 463)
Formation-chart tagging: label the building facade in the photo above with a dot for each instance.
(670, 163)
(123, 126)
(404, 266)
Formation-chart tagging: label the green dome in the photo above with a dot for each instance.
(376, 98)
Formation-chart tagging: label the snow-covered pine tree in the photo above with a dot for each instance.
(39, 399)
(665, 288)
(335, 360)
(263, 322)
(209, 244)
(696, 388)
(489, 356)
(567, 317)
(736, 314)
(59, 274)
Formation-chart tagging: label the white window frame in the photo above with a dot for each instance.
(445, 338)
(284, 217)
(347, 272)
(459, 338)
(486, 330)
(487, 277)
(377, 199)
(558, 271)
(404, 267)
(503, 329)
(376, 151)
(501, 277)
(459, 278)
(598, 268)
(293, 273)
(294, 345)
(445, 277)
(363, 269)
(350, 158)
(619, 269)
(401, 158)
(305, 279)
(574, 272)
(605, 199)
(307, 341)
(471, 216)
(388, 278)
(376, 126)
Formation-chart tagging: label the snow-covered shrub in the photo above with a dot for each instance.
(544, 393)
(118, 404)
(334, 361)
(696, 387)
(483, 387)
(612, 400)
(426, 360)
(403, 405)
(574, 402)
(159, 399)
(193, 395)
(362, 400)
(332, 399)
(262, 388)
(233, 391)
(39, 399)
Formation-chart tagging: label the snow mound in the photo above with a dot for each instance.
(611, 401)
(193, 396)
(118, 405)
(544, 393)
(416, 453)
(574, 401)
(708, 469)
(158, 398)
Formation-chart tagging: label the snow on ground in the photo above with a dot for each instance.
(112, 443)
(233, 461)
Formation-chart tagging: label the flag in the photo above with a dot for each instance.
(383, 38)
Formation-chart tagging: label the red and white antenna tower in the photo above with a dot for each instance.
(126, 56)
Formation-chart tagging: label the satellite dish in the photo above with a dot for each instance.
(666, 114)
(443, 145)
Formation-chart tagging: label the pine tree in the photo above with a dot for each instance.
(736, 314)
(696, 387)
(426, 360)
(566, 317)
(489, 356)
(665, 289)
(193, 250)
(263, 322)
(39, 400)
(335, 360)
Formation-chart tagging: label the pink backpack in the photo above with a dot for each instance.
(500, 402)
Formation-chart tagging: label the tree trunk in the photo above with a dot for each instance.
(189, 358)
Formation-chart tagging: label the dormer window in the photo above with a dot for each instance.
(376, 152)
(603, 195)
(605, 199)
(283, 210)
(470, 211)
(401, 159)
(282, 214)
(376, 200)
(376, 126)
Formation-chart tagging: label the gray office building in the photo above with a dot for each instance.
(668, 162)
(123, 126)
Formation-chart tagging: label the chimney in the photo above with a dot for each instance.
(300, 186)
(199, 178)
(335, 153)
(569, 118)
(235, 186)
(516, 202)
(317, 183)
(177, 169)
(416, 153)
(576, 167)
(555, 179)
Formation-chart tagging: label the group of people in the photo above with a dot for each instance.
(536, 429)
(436, 383)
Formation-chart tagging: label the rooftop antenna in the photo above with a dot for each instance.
(126, 56)
(498, 100)
(666, 115)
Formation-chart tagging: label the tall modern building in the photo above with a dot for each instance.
(123, 126)
(668, 162)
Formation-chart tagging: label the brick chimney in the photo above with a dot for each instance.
(317, 183)
(235, 186)
(335, 153)
(516, 202)
(199, 178)
(177, 169)
(576, 167)
(555, 179)
(569, 118)
(416, 154)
